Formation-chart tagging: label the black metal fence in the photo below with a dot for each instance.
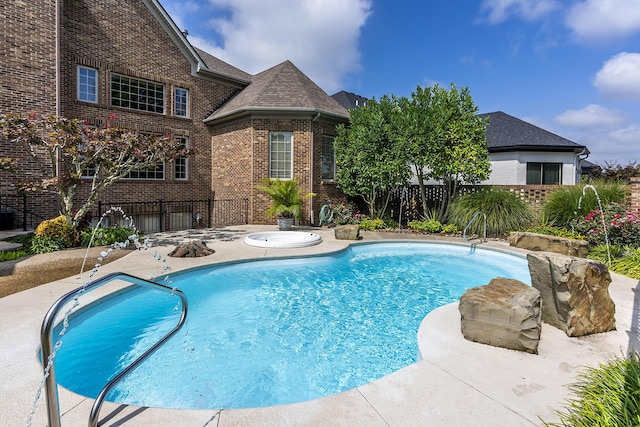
(16, 212)
(167, 215)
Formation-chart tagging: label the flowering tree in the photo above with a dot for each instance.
(68, 149)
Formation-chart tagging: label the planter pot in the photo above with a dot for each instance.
(284, 223)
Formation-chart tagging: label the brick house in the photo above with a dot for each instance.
(90, 59)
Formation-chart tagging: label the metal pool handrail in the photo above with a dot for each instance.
(46, 340)
(464, 233)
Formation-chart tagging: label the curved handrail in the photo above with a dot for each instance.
(48, 351)
(464, 233)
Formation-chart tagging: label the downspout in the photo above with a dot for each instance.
(311, 166)
(584, 153)
(58, 83)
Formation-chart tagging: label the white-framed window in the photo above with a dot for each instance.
(181, 164)
(87, 84)
(544, 173)
(328, 158)
(155, 173)
(280, 155)
(137, 94)
(181, 102)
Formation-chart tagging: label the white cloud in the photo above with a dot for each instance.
(595, 20)
(619, 77)
(321, 38)
(591, 116)
(529, 10)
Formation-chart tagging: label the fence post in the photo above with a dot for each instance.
(635, 193)
(209, 211)
(24, 211)
(99, 210)
(161, 210)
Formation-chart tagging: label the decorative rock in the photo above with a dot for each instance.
(347, 232)
(504, 313)
(544, 243)
(194, 249)
(574, 292)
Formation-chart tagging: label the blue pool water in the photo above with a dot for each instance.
(274, 331)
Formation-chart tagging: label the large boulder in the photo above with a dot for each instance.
(544, 243)
(347, 232)
(504, 313)
(574, 292)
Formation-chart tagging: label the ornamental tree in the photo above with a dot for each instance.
(370, 161)
(68, 149)
(444, 140)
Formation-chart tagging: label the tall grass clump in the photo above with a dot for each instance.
(561, 205)
(606, 396)
(505, 212)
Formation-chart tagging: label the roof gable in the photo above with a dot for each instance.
(508, 133)
(349, 100)
(228, 75)
(281, 88)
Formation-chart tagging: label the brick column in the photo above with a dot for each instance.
(635, 193)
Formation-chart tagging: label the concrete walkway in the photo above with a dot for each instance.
(458, 383)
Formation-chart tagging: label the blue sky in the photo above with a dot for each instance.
(569, 66)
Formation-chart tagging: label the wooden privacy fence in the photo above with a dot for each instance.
(405, 204)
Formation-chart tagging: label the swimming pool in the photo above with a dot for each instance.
(272, 332)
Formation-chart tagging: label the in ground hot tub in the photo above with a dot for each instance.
(282, 239)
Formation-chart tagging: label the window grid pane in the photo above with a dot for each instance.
(137, 94)
(181, 164)
(280, 148)
(328, 158)
(181, 102)
(87, 84)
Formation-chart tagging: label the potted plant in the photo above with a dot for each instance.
(286, 200)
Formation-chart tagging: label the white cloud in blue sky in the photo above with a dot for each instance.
(320, 37)
(620, 76)
(599, 20)
(500, 10)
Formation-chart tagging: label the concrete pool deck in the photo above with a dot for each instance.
(458, 383)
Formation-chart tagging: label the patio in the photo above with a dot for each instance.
(457, 383)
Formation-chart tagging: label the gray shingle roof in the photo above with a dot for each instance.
(281, 88)
(349, 100)
(219, 66)
(507, 133)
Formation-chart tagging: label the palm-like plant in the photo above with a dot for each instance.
(287, 198)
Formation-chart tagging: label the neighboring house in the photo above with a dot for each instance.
(349, 100)
(523, 154)
(128, 57)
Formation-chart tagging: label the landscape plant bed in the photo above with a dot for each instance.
(35, 270)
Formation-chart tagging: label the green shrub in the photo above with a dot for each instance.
(561, 205)
(57, 228)
(606, 396)
(505, 212)
(450, 229)
(430, 225)
(372, 224)
(624, 260)
(11, 255)
(45, 244)
(390, 223)
(550, 230)
(106, 236)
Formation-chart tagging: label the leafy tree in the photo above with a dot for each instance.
(613, 171)
(65, 148)
(449, 142)
(370, 160)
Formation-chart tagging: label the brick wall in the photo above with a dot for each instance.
(110, 36)
(635, 193)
